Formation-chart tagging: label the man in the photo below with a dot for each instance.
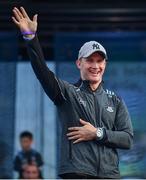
(27, 155)
(31, 172)
(94, 122)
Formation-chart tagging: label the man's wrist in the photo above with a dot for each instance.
(27, 33)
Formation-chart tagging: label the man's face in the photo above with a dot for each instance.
(26, 143)
(31, 172)
(92, 68)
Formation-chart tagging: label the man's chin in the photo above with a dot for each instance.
(94, 81)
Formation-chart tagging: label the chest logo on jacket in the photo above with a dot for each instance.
(81, 101)
(110, 109)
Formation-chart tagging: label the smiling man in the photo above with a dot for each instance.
(95, 122)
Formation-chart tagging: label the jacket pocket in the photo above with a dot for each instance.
(111, 157)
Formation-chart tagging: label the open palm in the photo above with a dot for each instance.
(22, 20)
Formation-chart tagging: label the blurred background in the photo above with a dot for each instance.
(63, 26)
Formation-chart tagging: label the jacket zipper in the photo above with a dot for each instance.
(96, 117)
(70, 150)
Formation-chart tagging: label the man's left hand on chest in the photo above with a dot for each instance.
(85, 133)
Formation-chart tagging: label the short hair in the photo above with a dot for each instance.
(26, 134)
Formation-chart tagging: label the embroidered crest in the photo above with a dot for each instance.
(77, 90)
(81, 101)
(110, 109)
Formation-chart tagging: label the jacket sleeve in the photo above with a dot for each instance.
(122, 135)
(39, 160)
(54, 87)
(17, 164)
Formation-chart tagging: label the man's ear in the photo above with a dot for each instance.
(78, 63)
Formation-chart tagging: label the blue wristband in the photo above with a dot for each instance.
(27, 33)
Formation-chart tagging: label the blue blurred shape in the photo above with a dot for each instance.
(8, 52)
(8, 46)
(120, 46)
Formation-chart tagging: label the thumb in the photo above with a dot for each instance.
(83, 122)
(35, 17)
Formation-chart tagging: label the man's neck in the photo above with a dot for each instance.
(27, 150)
(94, 86)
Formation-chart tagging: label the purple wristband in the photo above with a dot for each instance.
(27, 33)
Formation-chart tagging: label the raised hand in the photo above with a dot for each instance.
(22, 20)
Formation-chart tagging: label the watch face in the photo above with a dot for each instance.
(99, 133)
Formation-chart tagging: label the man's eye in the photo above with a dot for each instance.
(89, 60)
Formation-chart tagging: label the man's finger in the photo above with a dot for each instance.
(73, 133)
(15, 21)
(78, 140)
(19, 13)
(35, 18)
(24, 13)
(83, 122)
(74, 128)
(17, 17)
(74, 137)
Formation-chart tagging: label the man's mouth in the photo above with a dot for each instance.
(95, 73)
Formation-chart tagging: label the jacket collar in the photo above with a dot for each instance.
(85, 84)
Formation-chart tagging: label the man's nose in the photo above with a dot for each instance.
(95, 65)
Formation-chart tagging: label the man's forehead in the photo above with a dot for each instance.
(31, 168)
(96, 55)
